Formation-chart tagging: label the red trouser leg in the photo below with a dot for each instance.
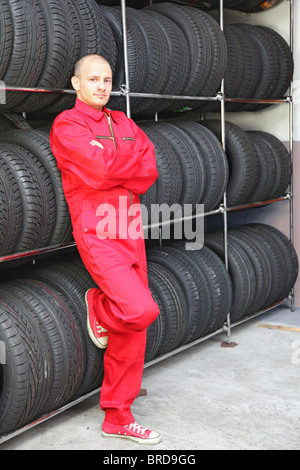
(125, 307)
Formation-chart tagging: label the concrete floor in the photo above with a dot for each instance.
(208, 397)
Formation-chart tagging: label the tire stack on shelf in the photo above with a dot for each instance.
(162, 39)
(263, 266)
(193, 169)
(40, 44)
(49, 358)
(34, 212)
(256, 166)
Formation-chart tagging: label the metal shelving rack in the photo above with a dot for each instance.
(223, 209)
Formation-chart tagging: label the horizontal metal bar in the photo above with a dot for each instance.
(184, 348)
(257, 100)
(257, 204)
(174, 97)
(123, 91)
(260, 312)
(44, 418)
(182, 219)
(38, 251)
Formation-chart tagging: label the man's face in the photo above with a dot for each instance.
(94, 83)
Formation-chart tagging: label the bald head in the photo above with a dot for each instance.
(93, 80)
(87, 60)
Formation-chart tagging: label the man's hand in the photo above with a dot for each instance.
(95, 142)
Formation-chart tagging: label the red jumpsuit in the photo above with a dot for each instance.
(102, 188)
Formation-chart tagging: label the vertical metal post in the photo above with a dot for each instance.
(125, 52)
(223, 141)
(291, 139)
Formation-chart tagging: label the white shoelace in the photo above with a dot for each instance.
(100, 329)
(134, 427)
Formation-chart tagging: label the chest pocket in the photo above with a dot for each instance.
(121, 142)
(125, 143)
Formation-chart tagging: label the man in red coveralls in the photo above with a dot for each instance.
(106, 161)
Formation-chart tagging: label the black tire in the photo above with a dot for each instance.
(156, 60)
(193, 285)
(260, 266)
(38, 349)
(249, 67)
(281, 159)
(214, 160)
(176, 58)
(70, 332)
(218, 282)
(199, 45)
(32, 204)
(137, 55)
(28, 50)
(241, 272)
(192, 168)
(275, 258)
(11, 209)
(267, 170)
(269, 64)
(92, 35)
(59, 60)
(15, 375)
(285, 59)
(156, 331)
(288, 254)
(169, 182)
(174, 311)
(37, 143)
(242, 159)
(72, 282)
(6, 37)
(44, 187)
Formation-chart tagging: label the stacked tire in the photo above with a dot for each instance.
(259, 66)
(34, 212)
(192, 165)
(163, 39)
(194, 169)
(40, 44)
(259, 164)
(263, 266)
(193, 291)
(50, 360)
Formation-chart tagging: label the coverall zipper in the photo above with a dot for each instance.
(115, 144)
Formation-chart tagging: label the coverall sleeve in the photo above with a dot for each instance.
(146, 172)
(98, 168)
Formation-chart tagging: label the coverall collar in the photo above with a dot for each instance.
(90, 111)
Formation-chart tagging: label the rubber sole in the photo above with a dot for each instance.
(139, 440)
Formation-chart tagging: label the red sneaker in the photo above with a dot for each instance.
(97, 333)
(132, 431)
